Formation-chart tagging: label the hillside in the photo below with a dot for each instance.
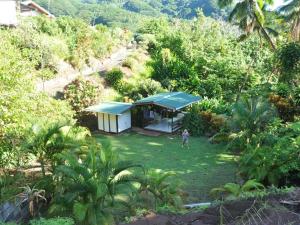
(128, 13)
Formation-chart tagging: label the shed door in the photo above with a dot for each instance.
(113, 123)
(106, 123)
(100, 121)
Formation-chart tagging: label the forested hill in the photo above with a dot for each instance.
(126, 13)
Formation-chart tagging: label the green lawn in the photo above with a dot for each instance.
(201, 168)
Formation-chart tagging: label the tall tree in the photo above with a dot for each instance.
(250, 17)
(291, 13)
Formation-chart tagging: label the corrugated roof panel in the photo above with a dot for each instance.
(114, 108)
(171, 100)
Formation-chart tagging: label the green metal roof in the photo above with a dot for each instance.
(114, 108)
(170, 100)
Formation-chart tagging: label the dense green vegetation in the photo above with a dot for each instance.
(183, 9)
(34, 51)
(251, 91)
(128, 13)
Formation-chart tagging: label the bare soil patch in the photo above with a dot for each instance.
(271, 210)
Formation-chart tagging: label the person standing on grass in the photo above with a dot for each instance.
(185, 138)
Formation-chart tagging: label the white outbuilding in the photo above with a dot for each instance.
(113, 117)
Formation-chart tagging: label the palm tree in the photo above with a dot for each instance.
(161, 189)
(249, 117)
(45, 141)
(250, 17)
(88, 184)
(291, 13)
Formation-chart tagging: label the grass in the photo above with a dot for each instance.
(200, 168)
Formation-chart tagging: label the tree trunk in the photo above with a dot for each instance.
(42, 162)
(265, 33)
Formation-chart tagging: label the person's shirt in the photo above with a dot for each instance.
(185, 135)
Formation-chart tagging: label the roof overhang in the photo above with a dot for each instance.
(112, 108)
(39, 8)
(170, 100)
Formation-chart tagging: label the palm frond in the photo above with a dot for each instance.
(239, 11)
(224, 3)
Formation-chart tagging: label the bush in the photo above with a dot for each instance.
(214, 105)
(114, 78)
(129, 62)
(203, 122)
(284, 107)
(273, 156)
(80, 94)
(141, 89)
(54, 221)
(288, 61)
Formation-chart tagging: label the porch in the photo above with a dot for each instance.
(167, 125)
(163, 112)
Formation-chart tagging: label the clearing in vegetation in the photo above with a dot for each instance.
(200, 168)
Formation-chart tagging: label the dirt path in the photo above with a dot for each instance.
(67, 73)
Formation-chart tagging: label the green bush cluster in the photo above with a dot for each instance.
(199, 122)
(54, 221)
(81, 94)
(141, 89)
(205, 58)
(114, 78)
(272, 156)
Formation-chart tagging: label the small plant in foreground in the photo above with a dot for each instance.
(231, 191)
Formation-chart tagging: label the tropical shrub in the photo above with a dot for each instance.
(141, 89)
(285, 98)
(205, 58)
(232, 191)
(47, 140)
(129, 62)
(160, 187)
(249, 117)
(288, 58)
(114, 77)
(284, 105)
(81, 94)
(34, 198)
(296, 96)
(199, 122)
(88, 185)
(214, 105)
(273, 156)
(53, 221)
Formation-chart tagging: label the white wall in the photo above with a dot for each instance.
(124, 121)
(8, 12)
(100, 121)
(106, 123)
(113, 123)
(29, 13)
(110, 122)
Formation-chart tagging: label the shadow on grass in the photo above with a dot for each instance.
(200, 168)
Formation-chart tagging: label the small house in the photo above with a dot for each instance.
(163, 112)
(113, 117)
(8, 12)
(30, 8)
(12, 10)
